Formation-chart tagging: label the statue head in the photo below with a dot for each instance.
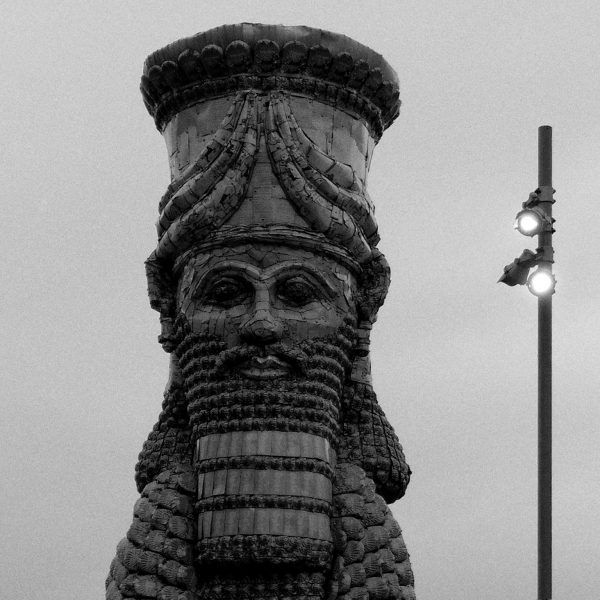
(267, 279)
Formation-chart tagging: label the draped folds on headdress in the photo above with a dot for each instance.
(217, 155)
(336, 182)
(213, 189)
(327, 194)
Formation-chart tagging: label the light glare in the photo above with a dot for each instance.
(541, 283)
(528, 223)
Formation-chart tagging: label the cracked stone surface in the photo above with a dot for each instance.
(268, 473)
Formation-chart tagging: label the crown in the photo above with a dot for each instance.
(319, 64)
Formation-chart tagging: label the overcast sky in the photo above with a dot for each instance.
(454, 353)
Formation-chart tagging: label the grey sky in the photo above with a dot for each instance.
(454, 354)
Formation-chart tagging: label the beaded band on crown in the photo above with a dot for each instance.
(329, 67)
(269, 234)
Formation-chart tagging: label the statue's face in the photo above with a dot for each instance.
(264, 294)
(266, 389)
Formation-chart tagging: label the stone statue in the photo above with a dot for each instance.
(268, 472)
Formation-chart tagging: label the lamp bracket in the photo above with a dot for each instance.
(545, 254)
(542, 194)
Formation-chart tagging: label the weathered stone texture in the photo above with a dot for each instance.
(267, 474)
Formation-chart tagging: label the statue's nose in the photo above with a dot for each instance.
(262, 327)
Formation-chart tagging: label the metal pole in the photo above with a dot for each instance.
(545, 377)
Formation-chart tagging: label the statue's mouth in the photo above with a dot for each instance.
(262, 362)
(264, 367)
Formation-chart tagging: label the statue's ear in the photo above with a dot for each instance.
(373, 285)
(162, 292)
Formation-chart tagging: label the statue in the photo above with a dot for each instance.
(267, 474)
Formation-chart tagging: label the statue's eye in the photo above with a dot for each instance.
(226, 291)
(297, 291)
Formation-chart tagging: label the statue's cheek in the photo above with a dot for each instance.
(316, 320)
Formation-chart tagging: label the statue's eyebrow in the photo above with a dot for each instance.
(298, 268)
(257, 274)
(230, 267)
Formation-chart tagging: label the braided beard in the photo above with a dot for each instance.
(264, 450)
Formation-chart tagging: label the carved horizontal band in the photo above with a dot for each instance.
(244, 549)
(267, 501)
(278, 463)
(228, 419)
(249, 583)
(267, 443)
(264, 521)
(295, 237)
(274, 424)
(202, 383)
(240, 483)
(315, 396)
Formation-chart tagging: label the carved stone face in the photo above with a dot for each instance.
(264, 362)
(264, 294)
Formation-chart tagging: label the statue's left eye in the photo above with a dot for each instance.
(297, 291)
(225, 292)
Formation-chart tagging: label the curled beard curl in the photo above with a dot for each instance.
(169, 445)
(368, 441)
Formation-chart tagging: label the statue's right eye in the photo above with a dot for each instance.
(225, 291)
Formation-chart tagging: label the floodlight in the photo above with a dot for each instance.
(516, 273)
(533, 220)
(529, 222)
(541, 283)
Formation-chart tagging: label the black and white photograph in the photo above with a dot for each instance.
(300, 300)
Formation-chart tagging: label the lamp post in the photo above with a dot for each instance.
(536, 218)
(545, 374)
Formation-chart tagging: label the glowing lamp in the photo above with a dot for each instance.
(529, 222)
(541, 283)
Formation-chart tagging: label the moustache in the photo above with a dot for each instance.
(232, 358)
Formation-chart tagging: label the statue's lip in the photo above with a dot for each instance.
(265, 367)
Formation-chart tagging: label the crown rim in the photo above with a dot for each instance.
(331, 67)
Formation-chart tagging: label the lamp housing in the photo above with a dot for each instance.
(541, 282)
(532, 221)
(517, 272)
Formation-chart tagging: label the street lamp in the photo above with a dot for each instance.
(528, 222)
(536, 219)
(541, 282)
(532, 220)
